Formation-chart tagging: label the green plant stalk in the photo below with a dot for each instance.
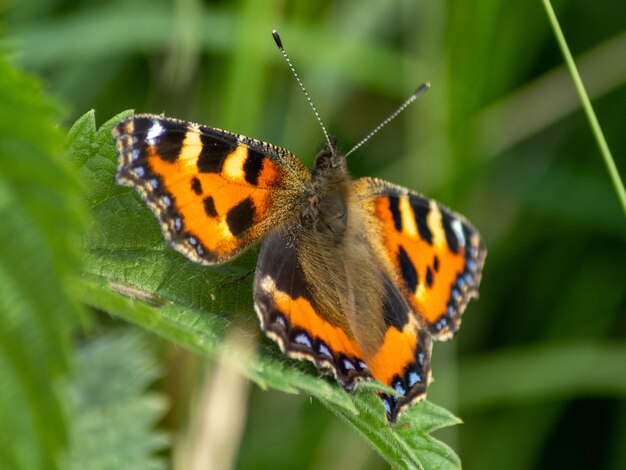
(586, 103)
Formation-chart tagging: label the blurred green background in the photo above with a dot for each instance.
(538, 371)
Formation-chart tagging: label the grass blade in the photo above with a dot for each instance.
(586, 103)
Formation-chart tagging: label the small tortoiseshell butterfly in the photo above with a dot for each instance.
(356, 276)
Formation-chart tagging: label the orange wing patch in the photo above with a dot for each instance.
(403, 363)
(397, 352)
(303, 334)
(213, 192)
(301, 314)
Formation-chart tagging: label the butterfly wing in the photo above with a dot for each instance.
(435, 254)
(287, 311)
(213, 192)
(403, 359)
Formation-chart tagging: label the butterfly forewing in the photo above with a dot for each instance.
(437, 256)
(214, 192)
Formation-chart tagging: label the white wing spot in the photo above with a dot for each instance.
(414, 377)
(281, 321)
(267, 284)
(323, 349)
(155, 131)
(458, 231)
(303, 339)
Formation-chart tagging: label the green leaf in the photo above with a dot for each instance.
(112, 415)
(408, 444)
(132, 273)
(41, 217)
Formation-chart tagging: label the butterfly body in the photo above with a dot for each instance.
(356, 276)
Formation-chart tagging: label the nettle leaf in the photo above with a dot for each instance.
(41, 218)
(113, 418)
(132, 273)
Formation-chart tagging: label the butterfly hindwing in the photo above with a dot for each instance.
(403, 359)
(436, 255)
(288, 314)
(214, 192)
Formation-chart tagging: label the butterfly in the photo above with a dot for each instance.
(356, 276)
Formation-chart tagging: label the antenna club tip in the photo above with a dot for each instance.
(421, 89)
(277, 40)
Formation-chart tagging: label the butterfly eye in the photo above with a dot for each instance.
(323, 160)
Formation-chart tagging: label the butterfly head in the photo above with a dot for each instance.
(329, 161)
(326, 211)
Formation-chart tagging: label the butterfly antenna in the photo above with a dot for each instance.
(421, 89)
(279, 43)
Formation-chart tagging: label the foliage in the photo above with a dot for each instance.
(111, 413)
(58, 410)
(40, 220)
